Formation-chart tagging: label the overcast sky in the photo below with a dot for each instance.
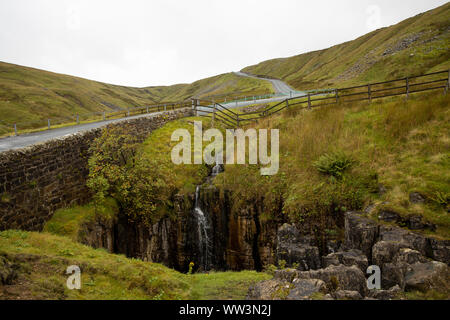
(161, 42)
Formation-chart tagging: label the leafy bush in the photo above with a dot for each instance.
(141, 188)
(333, 164)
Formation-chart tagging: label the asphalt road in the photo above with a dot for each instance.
(25, 140)
(278, 85)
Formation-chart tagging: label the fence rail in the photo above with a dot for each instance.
(217, 111)
(368, 92)
(77, 119)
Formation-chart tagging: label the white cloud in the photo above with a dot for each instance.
(160, 42)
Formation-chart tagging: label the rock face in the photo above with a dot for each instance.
(406, 260)
(237, 239)
(296, 249)
(360, 233)
(350, 258)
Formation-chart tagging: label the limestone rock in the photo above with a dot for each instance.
(426, 276)
(339, 277)
(347, 295)
(353, 257)
(305, 288)
(294, 248)
(268, 290)
(360, 233)
(390, 294)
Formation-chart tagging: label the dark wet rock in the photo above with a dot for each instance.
(388, 216)
(426, 276)
(8, 271)
(347, 295)
(334, 246)
(390, 294)
(269, 290)
(304, 289)
(408, 239)
(385, 251)
(416, 197)
(416, 222)
(393, 274)
(360, 233)
(440, 250)
(339, 278)
(353, 257)
(296, 249)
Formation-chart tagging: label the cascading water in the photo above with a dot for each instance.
(204, 243)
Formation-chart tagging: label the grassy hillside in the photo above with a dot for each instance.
(30, 96)
(345, 157)
(414, 46)
(40, 261)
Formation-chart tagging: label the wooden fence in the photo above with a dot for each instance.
(404, 86)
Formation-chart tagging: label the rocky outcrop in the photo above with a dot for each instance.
(350, 258)
(295, 249)
(360, 233)
(426, 276)
(406, 260)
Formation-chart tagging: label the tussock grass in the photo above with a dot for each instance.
(400, 144)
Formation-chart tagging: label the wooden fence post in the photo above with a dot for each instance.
(15, 129)
(337, 96)
(214, 113)
(407, 88)
(287, 103)
(48, 123)
(369, 92)
(78, 119)
(309, 101)
(447, 87)
(196, 107)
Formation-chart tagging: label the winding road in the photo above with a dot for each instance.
(29, 139)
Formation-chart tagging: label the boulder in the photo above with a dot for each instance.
(390, 294)
(268, 290)
(393, 274)
(294, 248)
(385, 251)
(304, 289)
(360, 233)
(339, 278)
(426, 276)
(287, 275)
(416, 222)
(347, 295)
(409, 256)
(416, 197)
(440, 250)
(408, 239)
(353, 257)
(388, 216)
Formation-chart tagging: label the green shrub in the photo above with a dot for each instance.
(333, 164)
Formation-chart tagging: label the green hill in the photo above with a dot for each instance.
(30, 96)
(414, 46)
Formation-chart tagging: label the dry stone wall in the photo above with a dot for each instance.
(37, 180)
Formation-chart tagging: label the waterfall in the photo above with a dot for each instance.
(204, 244)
